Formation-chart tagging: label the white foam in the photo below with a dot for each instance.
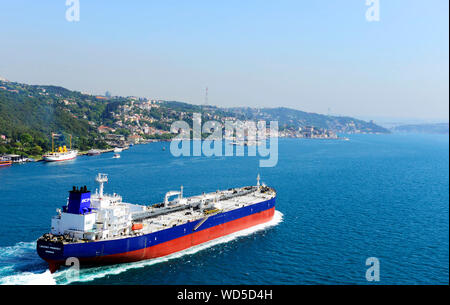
(24, 253)
(16, 250)
(86, 275)
(19, 257)
(29, 278)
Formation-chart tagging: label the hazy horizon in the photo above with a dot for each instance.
(321, 57)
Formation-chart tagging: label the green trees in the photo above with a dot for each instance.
(30, 114)
(26, 139)
(123, 132)
(36, 150)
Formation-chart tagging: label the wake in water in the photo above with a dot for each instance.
(20, 265)
(23, 255)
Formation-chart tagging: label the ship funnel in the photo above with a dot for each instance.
(79, 201)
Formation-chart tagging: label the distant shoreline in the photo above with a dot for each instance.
(39, 158)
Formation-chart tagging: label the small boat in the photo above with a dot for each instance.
(118, 149)
(93, 152)
(116, 156)
(5, 163)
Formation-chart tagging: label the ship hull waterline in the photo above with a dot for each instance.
(59, 160)
(96, 256)
(55, 157)
(52, 159)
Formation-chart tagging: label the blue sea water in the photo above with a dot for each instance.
(339, 203)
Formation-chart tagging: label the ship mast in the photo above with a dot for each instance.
(101, 178)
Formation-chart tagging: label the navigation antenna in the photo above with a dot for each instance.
(101, 178)
(205, 104)
(257, 181)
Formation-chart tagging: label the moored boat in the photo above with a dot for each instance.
(93, 152)
(5, 163)
(61, 154)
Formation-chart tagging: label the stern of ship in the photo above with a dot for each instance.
(52, 252)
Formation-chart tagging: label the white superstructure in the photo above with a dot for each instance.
(60, 156)
(109, 217)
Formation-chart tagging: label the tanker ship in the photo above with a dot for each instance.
(101, 229)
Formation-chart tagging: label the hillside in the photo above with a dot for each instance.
(291, 118)
(438, 128)
(287, 118)
(30, 113)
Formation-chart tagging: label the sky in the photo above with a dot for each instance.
(317, 56)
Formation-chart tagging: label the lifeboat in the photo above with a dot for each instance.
(137, 226)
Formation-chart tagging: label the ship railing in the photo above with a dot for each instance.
(238, 194)
(169, 209)
(157, 212)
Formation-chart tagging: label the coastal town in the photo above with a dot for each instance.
(105, 122)
(118, 142)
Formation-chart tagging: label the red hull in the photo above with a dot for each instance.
(178, 244)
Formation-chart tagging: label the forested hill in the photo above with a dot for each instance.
(30, 113)
(436, 128)
(287, 118)
(292, 118)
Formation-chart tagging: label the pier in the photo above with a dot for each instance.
(102, 151)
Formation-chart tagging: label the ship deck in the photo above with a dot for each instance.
(159, 217)
(167, 220)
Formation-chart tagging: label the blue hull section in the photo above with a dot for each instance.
(54, 252)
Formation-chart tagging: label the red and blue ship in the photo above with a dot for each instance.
(82, 229)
